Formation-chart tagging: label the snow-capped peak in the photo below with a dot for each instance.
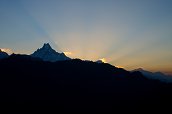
(46, 53)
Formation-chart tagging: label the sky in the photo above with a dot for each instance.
(126, 33)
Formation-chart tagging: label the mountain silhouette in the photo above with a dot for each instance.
(75, 86)
(155, 75)
(46, 53)
(99, 61)
(3, 54)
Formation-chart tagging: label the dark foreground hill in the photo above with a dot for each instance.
(28, 84)
(3, 54)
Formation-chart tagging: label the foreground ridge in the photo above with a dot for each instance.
(77, 86)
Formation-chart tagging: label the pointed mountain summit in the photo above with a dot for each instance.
(47, 46)
(46, 53)
(3, 54)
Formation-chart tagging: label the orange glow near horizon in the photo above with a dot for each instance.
(7, 50)
(67, 53)
(103, 60)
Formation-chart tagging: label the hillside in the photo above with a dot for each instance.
(30, 84)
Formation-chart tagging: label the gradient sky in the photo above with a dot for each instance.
(127, 33)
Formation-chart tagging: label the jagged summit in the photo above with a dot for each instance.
(46, 53)
(46, 46)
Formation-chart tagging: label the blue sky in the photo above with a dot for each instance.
(127, 33)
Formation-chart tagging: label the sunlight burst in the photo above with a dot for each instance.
(7, 50)
(103, 60)
(67, 53)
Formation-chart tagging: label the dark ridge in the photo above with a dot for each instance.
(74, 86)
(3, 54)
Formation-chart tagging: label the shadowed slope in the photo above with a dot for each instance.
(3, 54)
(76, 86)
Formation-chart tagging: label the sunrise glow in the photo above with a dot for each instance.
(131, 34)
(67, 53)
(9, 51)
(103, 60)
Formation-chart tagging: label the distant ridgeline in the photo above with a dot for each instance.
(75, 86)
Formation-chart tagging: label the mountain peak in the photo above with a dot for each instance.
(46, 46)
(139, 69)
(46, 53)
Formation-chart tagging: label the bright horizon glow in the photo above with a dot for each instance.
(7, 50)
(103, 60)
(127, 33)
(67, 53)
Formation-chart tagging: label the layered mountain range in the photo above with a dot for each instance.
(76, 86)
(155, 75)
(50, 81)
(46, 53)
